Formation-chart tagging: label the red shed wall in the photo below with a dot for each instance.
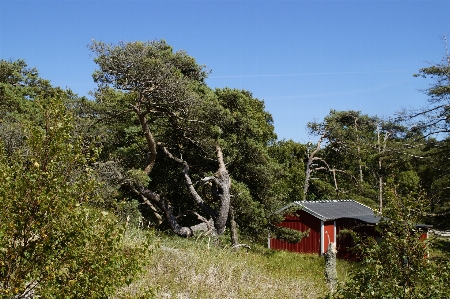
(305, 221)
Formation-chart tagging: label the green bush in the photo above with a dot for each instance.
(397, 266)
(53, 243)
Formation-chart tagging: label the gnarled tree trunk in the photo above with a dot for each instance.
(215, 221)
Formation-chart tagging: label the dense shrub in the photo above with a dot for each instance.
(398, 265)
(53, 243)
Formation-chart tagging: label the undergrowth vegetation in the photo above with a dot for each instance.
(402, 263)
(53, 242)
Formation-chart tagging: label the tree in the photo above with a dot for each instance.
(311, 156)
(17, 83)
(163, 90)
(347, 137)
(290, 156)
(356, 153)
(435, 180)
(433, 119)
(147, 90)
(247, 136)
(430, 125)
(53, 243)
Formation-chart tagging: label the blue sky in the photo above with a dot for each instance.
(302, 58)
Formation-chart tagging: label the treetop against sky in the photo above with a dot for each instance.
(302, 58)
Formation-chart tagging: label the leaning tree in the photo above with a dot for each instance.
(154, 112)
(163, 92)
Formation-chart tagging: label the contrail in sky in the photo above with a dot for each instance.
(301, 74)
(339, 92)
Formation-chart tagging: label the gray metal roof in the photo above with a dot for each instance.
(327, 210)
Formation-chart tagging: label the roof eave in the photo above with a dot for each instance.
(295, 203)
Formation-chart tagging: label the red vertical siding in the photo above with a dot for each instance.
(305, 221)
(423, 236)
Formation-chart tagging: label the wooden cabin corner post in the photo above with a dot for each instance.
(334, 233)
(322, 239)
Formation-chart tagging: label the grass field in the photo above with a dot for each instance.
(194, 268)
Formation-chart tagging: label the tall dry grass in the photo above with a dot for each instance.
(193, 268)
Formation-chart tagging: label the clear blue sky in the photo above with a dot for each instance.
(302, 58)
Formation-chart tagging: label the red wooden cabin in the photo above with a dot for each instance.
(325, 219)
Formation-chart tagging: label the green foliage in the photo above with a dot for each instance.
(54, 244)
(19, 86)
(289, 155)
(397, 265)
(246, 133)
(18, 82)
(343, 164)
(138, 177)
(408, 182)
(128, 212)
(358, 153)
(430, 125)
(289, 235)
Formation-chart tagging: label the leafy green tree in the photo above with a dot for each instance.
(247, 134)
(430, 126)
(164, 91)
(18, 83)
(53, 244)
(433, 119)
(395, 154)
(346, 141)
(290, 156)
(434, 178)
(356, 153)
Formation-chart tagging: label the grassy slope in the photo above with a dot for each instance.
(193, 268)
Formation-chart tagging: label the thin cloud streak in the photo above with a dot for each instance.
(302, 74)
(337, 93)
